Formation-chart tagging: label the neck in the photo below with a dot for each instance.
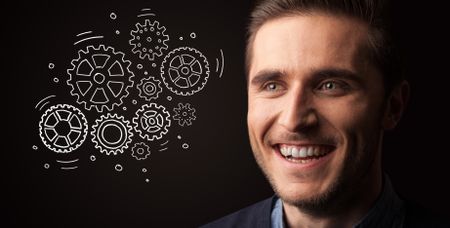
(347, 211)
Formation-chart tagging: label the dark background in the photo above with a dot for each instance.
(217, 174)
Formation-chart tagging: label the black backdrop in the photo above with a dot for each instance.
(216, 175)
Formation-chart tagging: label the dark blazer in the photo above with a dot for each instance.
(258, 216)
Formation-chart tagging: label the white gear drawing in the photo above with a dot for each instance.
(111, 134)
(63, 128)
(149, 39)
(184, 114)
(149, 88)
(185, 71)
(152, 121)
(100, 77)
(140, 151)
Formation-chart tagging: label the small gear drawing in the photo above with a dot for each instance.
(100, 77)
(111, 134)
(149, 88)
(152, 121)
(63, 128)
(140, 151)
(185, 71)
(184, 114)
(149, 40)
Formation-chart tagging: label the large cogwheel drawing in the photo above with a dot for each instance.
(149, 40)
(185, 71)
(140, 151)
(184, 114)
(152, 121)
(149, 88)
(100, 77)
(111, 134)
(63, 128)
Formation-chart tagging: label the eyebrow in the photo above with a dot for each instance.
(266, 75)
(317, 75)
(322, 74)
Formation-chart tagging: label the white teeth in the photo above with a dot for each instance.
(302, 152)
(316, 151)
(283, 151)
(310, 151)
(295, 152)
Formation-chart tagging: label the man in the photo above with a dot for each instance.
(324, 83)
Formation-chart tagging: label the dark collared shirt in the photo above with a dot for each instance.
(388, 211)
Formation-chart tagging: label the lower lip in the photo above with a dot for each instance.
(312, 164)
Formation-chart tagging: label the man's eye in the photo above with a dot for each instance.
(272, 86)
(334, 88)
(331, 85)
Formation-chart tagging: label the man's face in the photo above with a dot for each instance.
(315, 105)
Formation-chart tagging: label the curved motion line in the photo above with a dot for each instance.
(88, 38)
(67, 162)
(44, 99)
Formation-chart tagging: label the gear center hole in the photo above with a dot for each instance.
(63, 128)
(99, 78)
(112, 134)
(185, 70)
(152, 121)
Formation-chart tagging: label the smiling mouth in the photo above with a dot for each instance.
(303, 154)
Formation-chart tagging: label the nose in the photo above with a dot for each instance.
(298, 114)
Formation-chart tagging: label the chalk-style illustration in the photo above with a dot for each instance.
(113, 16)
(185, 146)
(185, 71)
(111, 134)
(63, 128)
(45, 101)
(163, 145)
(149, 88)
(100, 77)
(184, 114)
(152, 121)
(118, 167)
(146, 12)
(140, 151)
(83, 34)
(220, 64)
(68, 165)
(149, 39)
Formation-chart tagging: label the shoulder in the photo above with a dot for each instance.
(256, 215)
(417, 216)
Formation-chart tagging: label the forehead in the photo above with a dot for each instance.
(298, 42)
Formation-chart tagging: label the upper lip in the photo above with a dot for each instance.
(302, 144)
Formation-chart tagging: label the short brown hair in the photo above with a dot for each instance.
(377, 14)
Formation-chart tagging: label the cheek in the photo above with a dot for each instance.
(351, 115)
(260, 115)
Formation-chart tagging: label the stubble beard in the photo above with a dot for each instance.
(339, 193)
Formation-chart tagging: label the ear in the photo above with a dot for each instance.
(396, 105)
